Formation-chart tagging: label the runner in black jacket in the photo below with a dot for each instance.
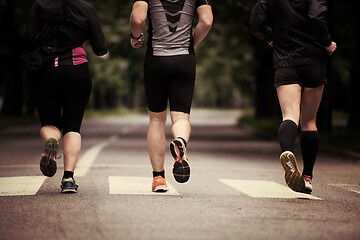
(298, 32)
(56, 31)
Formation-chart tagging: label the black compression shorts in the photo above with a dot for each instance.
(309, 76)
(169, 78)
(61, 96)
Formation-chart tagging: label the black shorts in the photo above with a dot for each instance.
(309, 76)
(170, 78)
(61, 96)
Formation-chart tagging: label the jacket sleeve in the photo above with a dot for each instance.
(317, 15)
(96, 35)
(259, 20)
(32, 25)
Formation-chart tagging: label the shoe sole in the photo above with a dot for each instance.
(181, 168)
(160, 188)
(48, 166)
(176, 149)
(69, 190)
(307, 190)
(293, 177)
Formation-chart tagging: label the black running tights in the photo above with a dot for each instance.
(61, 96)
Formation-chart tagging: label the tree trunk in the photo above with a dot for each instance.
(354, 111)
(13, 87)
(324, 115)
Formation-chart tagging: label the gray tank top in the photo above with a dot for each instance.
(170, 26)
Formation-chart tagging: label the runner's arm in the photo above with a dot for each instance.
(204, 25)
(259, 21)
(96, 35)
(317, 16)
(137, 22)
(32, 25)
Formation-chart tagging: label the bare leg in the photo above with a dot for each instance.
(156, 140)
(181, 126)
(289, 99)
(310, 103)
(72, 146)
(47, 132)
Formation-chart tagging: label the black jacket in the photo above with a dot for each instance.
(61, 25)
(297, 28)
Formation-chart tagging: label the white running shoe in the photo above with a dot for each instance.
(308, 184)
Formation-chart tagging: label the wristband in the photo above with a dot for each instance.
(136, 38)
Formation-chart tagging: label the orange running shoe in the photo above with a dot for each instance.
(293, 177)
(181, 168)
(159, 184)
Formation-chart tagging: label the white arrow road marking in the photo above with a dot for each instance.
(15, 186)
(135, 185)
(89, 157)
(265, 189)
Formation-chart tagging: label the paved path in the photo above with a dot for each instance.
(236, 189)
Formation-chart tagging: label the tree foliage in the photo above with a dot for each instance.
(233, 67)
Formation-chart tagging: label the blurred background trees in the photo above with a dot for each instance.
(234, 68)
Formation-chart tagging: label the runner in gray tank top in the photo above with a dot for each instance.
(169, 72)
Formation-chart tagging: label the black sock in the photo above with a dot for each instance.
(287, 135)
(162, 173)
(309, 143)
(68, 174)
(182, 140)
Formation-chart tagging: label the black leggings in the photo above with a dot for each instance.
(61, 96)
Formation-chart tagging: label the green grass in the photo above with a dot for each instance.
(17, 120)
(266, 126)
(338, 138)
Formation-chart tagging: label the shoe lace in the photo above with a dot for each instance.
(307, 179)
(160, 180)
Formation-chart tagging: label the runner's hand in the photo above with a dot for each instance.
(331, 48)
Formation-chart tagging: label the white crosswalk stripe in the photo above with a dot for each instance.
(265, 189)
(135, 185)
(350, 187)
(18, 186)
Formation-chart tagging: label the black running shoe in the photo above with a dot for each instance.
(47, 163)
(293, 177)
(181, 168)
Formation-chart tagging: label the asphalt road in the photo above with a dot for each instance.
(236, 190)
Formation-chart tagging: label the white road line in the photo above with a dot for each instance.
(350, 187)
(89, 157)
(265, 189)
(15, 186)
(135, 185)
